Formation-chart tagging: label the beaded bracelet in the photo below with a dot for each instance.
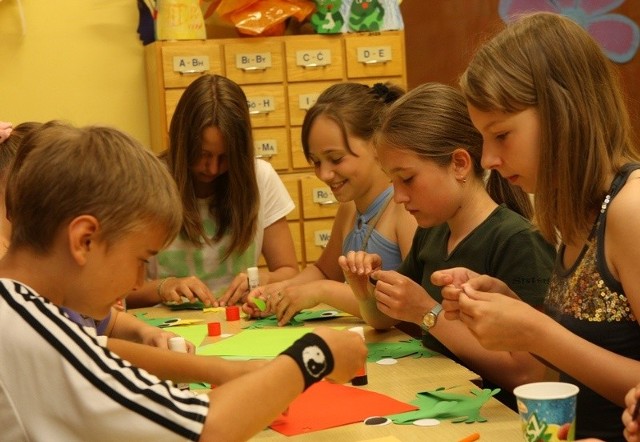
(161, 284)
(313, 357)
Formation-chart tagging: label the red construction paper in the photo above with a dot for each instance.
(327, 405)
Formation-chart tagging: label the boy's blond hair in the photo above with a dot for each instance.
(61, 172)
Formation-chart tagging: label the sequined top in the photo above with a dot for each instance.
(588, 301)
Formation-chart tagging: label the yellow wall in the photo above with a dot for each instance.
(80, 61)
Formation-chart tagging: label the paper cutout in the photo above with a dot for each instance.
(319, 315)
(377, 421)
(316, 409)
(299, 319)
(167, 322)
(197, 305)
(396, 350)
(271, 321)
(442, 405)
(256, 344)
(192, 333)
(259, 302)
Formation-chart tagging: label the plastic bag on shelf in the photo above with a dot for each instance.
(265, 17)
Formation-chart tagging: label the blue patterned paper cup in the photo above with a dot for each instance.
(548, 411)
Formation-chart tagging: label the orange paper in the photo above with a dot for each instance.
(327, 405)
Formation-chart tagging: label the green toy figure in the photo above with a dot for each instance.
(366, 15)
(327, 19)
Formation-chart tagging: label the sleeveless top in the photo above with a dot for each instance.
(363, 236)
(589, 302)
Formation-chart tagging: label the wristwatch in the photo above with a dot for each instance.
(431, 317)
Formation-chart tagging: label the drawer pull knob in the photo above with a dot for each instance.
(193, 71)
(253, 69)
(375, 61)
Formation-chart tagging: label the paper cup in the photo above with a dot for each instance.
(547, 410)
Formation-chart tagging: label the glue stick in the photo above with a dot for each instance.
(361, 375)
(254, 277)
(179, 345)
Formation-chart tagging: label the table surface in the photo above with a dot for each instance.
(400, 381)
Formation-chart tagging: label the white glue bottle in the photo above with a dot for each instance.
(361, 375)
(254, 277)
(178, 344)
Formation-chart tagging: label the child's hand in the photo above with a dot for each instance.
(631, 427)
(160, 338)
(348, 349)
(250, 307)
(288, 302)
(173, 289)
(237, 290)
(357, 268)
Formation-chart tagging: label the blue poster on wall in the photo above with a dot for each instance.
(618, 35)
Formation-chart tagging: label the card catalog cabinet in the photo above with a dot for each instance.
(281, 77)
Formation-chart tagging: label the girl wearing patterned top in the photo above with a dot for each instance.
(234, 205)
(337, 140)
(554, 122)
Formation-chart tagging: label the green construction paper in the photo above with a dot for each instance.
(156, 322)
(199, 386)
(271, 321)
(260, 304)
(297, 320)
(197, 305)
(397, 350)
(315, 315)
(192, 333)
(255, 344)
(439, 404)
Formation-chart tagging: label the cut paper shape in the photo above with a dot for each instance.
(316, 409)
(299, 319)
(259, 302)
(442, 405)
(387, 361)
(256, 344)
(426, 422)
(156, 322)
(192, 333)
(377, 421)
(195, 386)
(166, 322)
(318, 315)
(271, 321)
(197, 305)
(397, 350)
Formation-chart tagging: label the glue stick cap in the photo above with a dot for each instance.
(359, 330)
(177, 343)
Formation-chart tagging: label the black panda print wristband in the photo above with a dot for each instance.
(313, 356)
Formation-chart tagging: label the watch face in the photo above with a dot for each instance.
(429, 320)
